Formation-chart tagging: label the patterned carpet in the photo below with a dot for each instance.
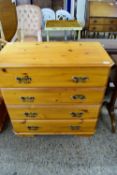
(60, 155)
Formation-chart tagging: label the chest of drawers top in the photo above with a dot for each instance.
(55, 54)
(102, 9)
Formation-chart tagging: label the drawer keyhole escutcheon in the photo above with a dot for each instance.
(74, 128)
(30, 114)
(78, 97)
(80, 79)
(28, 99)
(77, 114)
(33, 128)
(24, 79)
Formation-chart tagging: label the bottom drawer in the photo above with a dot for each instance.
(36, 127)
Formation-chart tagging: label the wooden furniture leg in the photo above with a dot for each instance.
(79, 35)
(111, 108)
(48, 38)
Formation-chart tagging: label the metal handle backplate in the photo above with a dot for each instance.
(76, 79)
(78, 97)
(33, 128)
(24, 79)
(77, 114)
(27, 99)
(74, 128)
(30, 114)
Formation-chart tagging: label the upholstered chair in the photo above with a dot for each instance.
(29, 23)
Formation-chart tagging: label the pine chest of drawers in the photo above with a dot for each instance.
(54, 88)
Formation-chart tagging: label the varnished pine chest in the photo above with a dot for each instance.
(54, 88)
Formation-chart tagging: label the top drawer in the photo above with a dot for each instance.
(53, 77)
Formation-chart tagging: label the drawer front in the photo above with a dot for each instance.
(53, 96)
(54, 77)
(110, 28)
(103, 21)
(103, 28)
(53, 112)
(47, 126)
(110, 21)
(96, 28)
(95, 21)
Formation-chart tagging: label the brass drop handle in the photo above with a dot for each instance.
(78, 97)
(77, 114)
(80, 79)
(27, 99)
(24, 79)
(33, 128)
(30, 114)
(74, 128)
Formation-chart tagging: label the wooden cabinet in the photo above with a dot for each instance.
(54, 88)
(102, 17)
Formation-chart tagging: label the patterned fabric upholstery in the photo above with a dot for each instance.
(29, 21)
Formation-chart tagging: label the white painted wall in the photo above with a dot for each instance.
(81, 11)
(72, 8)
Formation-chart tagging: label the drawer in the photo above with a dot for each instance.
(54, 127)
(37, 96)
(111, 28)
(110, 21)
(103, 28)
(96, 21)
(53, 112)
(54, 77)
(96, 28)
(103, 21)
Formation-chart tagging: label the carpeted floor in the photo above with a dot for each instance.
(60, 155)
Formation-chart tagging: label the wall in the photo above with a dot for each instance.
(23, 2)
(43, 3)
(55, 4)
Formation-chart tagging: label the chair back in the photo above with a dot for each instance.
(47, 14)
(63, 15)
(29, 19)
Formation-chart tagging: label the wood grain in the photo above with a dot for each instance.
(53, 96)
(54, 88)
(55, 112)
(55, 54)
(54, 77)
(47, 126)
